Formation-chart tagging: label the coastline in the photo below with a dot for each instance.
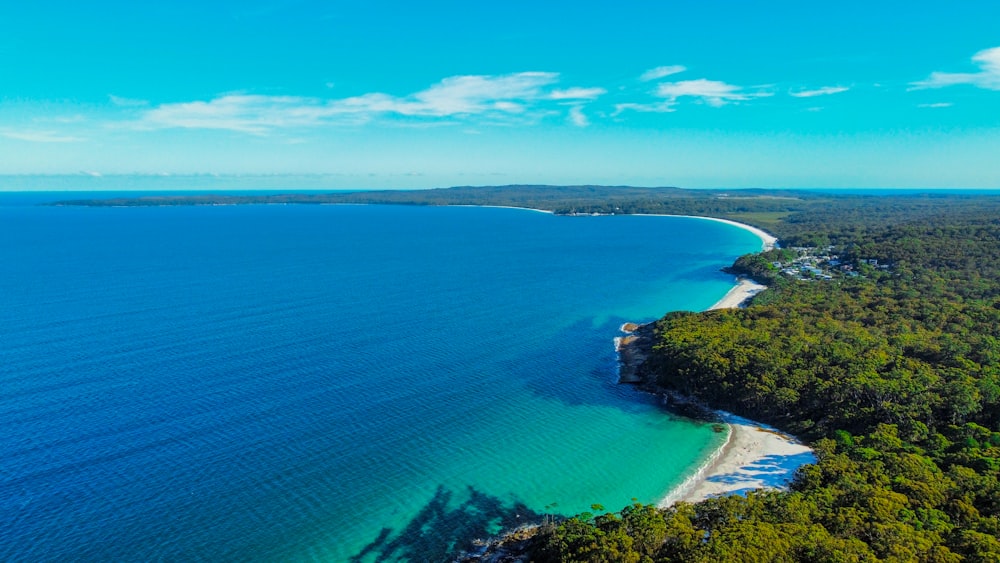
(753, 456)
(546, 211)
(768, 241)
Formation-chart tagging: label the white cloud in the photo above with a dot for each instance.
(577, 94)
(237, 112)
(458, 96)
(659, 107)
(475, 94)
(988, 76)
(936, 105)
(712, 92)
(126, 102)
(40, 136)
(660, 72)
(75, 118)
(577, 117)
(824, 91)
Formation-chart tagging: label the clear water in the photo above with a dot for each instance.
(329, 382)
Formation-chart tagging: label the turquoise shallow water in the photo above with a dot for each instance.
(329, 382)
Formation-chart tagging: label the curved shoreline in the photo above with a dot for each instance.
(754, 456)
(546, 211)
(768, 240)
(738, 296)
(692, 483)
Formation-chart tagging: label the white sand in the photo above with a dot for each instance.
(737, 296)
(506, 207)
(768, 241)
(754, 457)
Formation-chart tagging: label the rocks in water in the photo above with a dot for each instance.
(633, 349)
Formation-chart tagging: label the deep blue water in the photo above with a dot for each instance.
(329, 382)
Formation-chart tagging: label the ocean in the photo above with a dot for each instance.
(329, 383)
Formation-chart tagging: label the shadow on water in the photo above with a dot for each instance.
(440, 532)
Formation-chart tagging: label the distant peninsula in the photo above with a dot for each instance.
(784, 212)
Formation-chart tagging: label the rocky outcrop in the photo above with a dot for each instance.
(633, 349)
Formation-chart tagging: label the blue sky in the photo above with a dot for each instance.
(386, 94)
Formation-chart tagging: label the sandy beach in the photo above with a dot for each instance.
(769, 240)
(754, 456)
(738, 296)
(505, 207)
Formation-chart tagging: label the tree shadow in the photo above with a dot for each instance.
(776, 470)
(440, 532)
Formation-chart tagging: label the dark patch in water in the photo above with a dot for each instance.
(441, 533)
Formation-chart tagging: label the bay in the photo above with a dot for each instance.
(330, 382)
